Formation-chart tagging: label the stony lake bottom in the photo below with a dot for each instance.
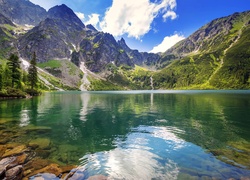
(135, 134)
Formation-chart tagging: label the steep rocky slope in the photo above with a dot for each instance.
(140, 58)
(55, 37)
(214, 36)
(98, 49)
(22, 11)
(6, 36)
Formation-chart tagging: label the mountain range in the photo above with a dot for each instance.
(73, 55)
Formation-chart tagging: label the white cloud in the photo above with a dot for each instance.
(93, 20)
(135, 17)
(170, 14)
(80, 15)
(167, 43)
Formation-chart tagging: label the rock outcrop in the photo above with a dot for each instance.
(22, 11)
(55, 37)
(140, 58)
(98, 49)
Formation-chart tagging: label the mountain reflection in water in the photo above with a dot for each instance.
(140, 134)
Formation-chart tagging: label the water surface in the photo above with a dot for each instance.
(139, 134)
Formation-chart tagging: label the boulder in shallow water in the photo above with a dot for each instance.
(43, 153)
(2, 149)
(35, 165)
(15, 173)
(15, 151)
(42, 143)
(38, 129)
(52, 168)
(20, 159)
(4, 163)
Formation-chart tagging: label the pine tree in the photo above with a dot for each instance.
(1, 77)
(7, 76)
(32, 72)
(14, 66)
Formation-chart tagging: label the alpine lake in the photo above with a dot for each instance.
(133, 135)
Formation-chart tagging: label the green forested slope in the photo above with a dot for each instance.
(217, 56)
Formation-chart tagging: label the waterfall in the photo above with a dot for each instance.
(152, 83)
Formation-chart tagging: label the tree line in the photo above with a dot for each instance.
(13, 78)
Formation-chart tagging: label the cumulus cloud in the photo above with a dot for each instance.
(134, 18)
(167, 43)
(170, 14)
(94, 20)
(80, 15)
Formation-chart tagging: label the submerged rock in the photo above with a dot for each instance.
(52, 169)
(15, 151)
(237, 154)
(2, 149)
(36, 164)
(4, 163)
(4, 140)
(20, 159)
(15, 173)
(42, 143)
(40, 129)
(68, 154)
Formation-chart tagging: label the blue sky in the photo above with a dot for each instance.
(149, 25)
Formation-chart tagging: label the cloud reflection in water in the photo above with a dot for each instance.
(138, 157)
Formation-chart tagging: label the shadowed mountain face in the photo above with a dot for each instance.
(55, 37)
(63, 33)
(98, 49)
(140, 58)
(22, 11)
(7, 38)
(64, 13)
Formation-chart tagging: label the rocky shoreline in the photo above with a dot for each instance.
(18, 162)
(30, 160)
(30, 157)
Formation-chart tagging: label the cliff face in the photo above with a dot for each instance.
(140, 58)
(63, 36)
(22, 11)
(7, 36)
(98, 49)
(55, 37)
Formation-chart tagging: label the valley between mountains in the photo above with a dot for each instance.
(73, 56)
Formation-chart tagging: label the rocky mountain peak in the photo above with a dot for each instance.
(139, 58)
(123, 44)
(65, 13)
(89, 26)
(208, 36)
(55, 37)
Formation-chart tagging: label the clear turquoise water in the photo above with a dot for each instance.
(139, 134)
